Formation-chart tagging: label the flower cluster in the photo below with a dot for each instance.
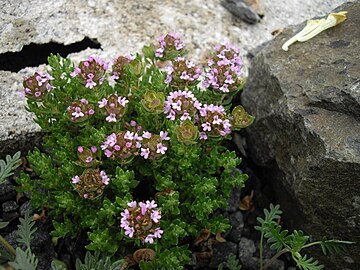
(153, 145)
(224, 69)
(181, 104)
(79, 111)
(213, 121)
(119, 65)
(123, 145)
(87, 157)
(142, 221)
(91, 183)
(113, 107)
(91, 72)
(169, 46)
(182, 72)
(37, 86)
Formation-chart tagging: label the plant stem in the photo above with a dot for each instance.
(312, 244)
(7, 246)
(273, 258)
(261, 250)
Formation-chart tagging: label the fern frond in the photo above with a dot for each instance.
(277, 238)
(297, 240)
(334, 246)
(270, 217)
(24, 260)
(95, 262)
(7, 168)
(308, 263)
(233, 263)
(26, 229)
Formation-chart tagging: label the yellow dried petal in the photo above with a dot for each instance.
(314, 27)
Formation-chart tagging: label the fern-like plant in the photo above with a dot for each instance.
(25, 259)
(96, 262)
(283, 242)
(7, 167)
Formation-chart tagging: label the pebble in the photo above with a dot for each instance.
(26, 206)
(9, 206)
(246, 249)
(7, 191)
(237, 223)
(241, 10)
(221, 252)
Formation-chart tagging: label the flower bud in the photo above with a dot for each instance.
(187, 132)
(36, 87)
(91, 183)
(240, 118)
(153, 102)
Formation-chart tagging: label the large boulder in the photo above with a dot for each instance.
(306, 136)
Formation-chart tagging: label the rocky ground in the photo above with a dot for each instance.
(120, 27)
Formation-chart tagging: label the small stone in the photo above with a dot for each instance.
(221, 252)
(9, 206)
(246, 249)
(7, 191)
(276, 265)
(241, 10)
(10, 216)
(291, 268)
(26, 206)
(234, 199)
(237, 223)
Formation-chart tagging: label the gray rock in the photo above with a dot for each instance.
(252, 263)
(242, 10)
(221, 252)
(9, 206)
(276, 265)
(306, 135)
(7, 191)
(234, 199)
(25, 207)
(10, 216)
(246, 249)
(237, 224)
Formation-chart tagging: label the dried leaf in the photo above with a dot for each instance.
(203, 256)
(277, 32)
(144, 254)
(19, 196)
(219, 238)
(247, 202)
(204, 235)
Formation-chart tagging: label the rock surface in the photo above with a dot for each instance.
(307, 130)
(123, 27)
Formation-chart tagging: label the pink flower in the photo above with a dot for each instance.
(145, 152)
(206, 126)
(158, 232)
(149, 239)
(146, 135)
(164, 136)
(130, 232)
(151, 204)
(111, 118)
(132, 204)
(143, 208)
(161, 148)
(80, 149)
(155, 216)
(75, 179)
(102, 103)
(105, 178)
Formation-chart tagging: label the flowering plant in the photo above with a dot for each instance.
(133, 154)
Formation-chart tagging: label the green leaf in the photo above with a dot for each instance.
(307, 263)
(24, 260)
(58, 265)
(26, 229)
(7, 168)
(95, 262)
(3, 224)
(270, 217)
(297, 240)
(334, 246)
